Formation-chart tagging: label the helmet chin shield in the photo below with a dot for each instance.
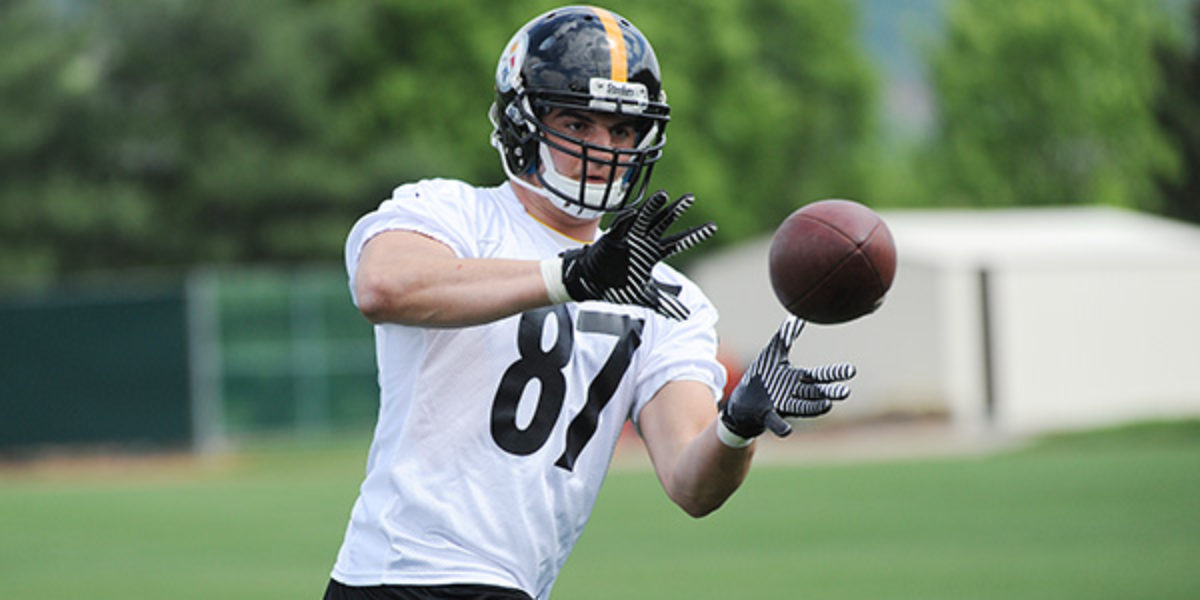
(576, 197)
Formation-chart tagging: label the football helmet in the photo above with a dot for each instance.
(586, 59)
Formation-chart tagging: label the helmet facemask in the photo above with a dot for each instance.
(626, 167)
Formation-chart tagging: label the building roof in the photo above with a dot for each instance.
(1058, 236)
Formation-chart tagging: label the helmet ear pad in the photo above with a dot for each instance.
(515, 137)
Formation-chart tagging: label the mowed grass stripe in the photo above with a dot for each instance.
(1105, 515)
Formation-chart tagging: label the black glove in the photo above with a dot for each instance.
(616, 268)
(772, 389)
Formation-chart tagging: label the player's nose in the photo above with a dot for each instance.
(599, 163)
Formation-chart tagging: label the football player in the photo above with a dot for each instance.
(514, 338)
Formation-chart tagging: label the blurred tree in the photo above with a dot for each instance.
(46, 77)
(773, 107)
(171, 133)
(416, 78)
(1047, 103)
(1178, 110)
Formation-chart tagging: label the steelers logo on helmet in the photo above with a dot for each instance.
(587, 59)
(508, 70)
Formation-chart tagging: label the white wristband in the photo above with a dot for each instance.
(552, 276)
(730, 438)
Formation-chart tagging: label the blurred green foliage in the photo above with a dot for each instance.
(170, 133)
(1048, 103)
(173, 133)
(1178, 112)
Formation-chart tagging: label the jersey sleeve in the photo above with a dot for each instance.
(683, 351)
(439, 209)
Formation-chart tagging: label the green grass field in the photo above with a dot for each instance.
(1113, 514)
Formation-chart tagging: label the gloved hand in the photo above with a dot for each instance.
(616, 268)
(772, 389)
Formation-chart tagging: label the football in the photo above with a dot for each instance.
(832, 261)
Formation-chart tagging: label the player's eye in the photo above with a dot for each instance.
(575, 126)
(622, 132)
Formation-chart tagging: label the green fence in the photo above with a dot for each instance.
(291, 351)
(219, 353)
(94, 366)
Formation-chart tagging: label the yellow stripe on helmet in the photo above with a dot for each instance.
(616, 44)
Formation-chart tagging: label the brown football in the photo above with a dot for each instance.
(832, 261)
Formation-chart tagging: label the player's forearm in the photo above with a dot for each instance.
(707, 473)
(449, 292)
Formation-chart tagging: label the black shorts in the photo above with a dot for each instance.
(339, 591)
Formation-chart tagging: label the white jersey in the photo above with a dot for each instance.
(493, 440)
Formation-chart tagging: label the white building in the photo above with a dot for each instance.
(1013, 321)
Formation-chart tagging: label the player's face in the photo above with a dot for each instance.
(601, 129)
